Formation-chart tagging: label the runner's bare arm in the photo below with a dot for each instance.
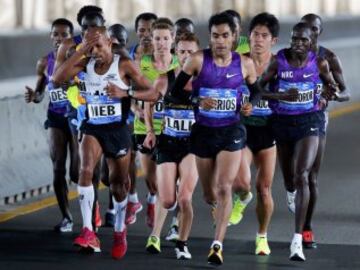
(37, 95)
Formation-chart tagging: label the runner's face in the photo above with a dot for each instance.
(58, 34)
(102, 49)
(120, 39)
(301, 41)
(162, 40)
(185, 28)
(221, 39)
(184, 49)
(261, 40)
(315, 27)
(143, 32)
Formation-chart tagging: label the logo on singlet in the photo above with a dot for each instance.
(228, 76)
(307, 75)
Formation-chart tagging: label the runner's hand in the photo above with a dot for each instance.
(246, 109)
(291, 95)
(29, 94)
(150, 140)
(208, 103)
(113, 91)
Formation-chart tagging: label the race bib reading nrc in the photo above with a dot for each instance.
(226, 102)
(178, 122)
(305, 100)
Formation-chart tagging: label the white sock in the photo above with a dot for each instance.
(133, 198)
(216, 242)
(297, 238)
(86, 199)
(247, 199)
(262, 235)
(120, 208)
(174, 221)
(111, 211)
(291, 194)
(151, 198)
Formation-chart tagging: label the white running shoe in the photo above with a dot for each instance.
(183, 254)
(296, 251)
(173, 234)
(64, 226)
(290, 198)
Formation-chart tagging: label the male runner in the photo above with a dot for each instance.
(57, 123)
(296, 124)
(218, 137)
(105, 131)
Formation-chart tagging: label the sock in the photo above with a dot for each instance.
(297, 238)
(247, 199)
(261, 235)
(151, 198)
(180, 245)
(86, 199)
(291, 194)
(216, 242)
(174, 222)
(133, 198)
(120, 208)
(111, 211)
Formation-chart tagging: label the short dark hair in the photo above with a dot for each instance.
(233, 13)
(63, 21)
(301, 26)
(88, 9)
(165, 20)
(117, 29)
(146, 16)
(222, 18)
(92, 16)
(268, 20)
(312, 17)
(184, 21)
(187, 36)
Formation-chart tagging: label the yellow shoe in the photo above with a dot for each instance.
(153, 245)
(215, 256)
(262, 246)
(238, 209)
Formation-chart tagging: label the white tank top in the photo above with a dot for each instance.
(102, 109)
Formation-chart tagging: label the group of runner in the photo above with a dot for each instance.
(186, 113)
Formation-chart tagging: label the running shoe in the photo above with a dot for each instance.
(119, 247)
(150, 214)
(131, 210)
(296, 251)
(262, 246)
(153, 245)
(109, 219)
(215, 256)
(238, 209)
(308, 240)
(290, 199)
(173, 234)
(65, 225)
(182, 253)
(87, 239)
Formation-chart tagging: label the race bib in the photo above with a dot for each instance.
(226, 102)
(178, 122)
(305, 100)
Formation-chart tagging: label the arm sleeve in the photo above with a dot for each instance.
(177, 90)
(255, 92)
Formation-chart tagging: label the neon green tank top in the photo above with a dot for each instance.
(243, 45)
(148, 70)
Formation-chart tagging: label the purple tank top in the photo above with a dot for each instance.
(222, 84)
(58, 99)
(305, 79)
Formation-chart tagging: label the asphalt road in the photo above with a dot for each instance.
(28, 242)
